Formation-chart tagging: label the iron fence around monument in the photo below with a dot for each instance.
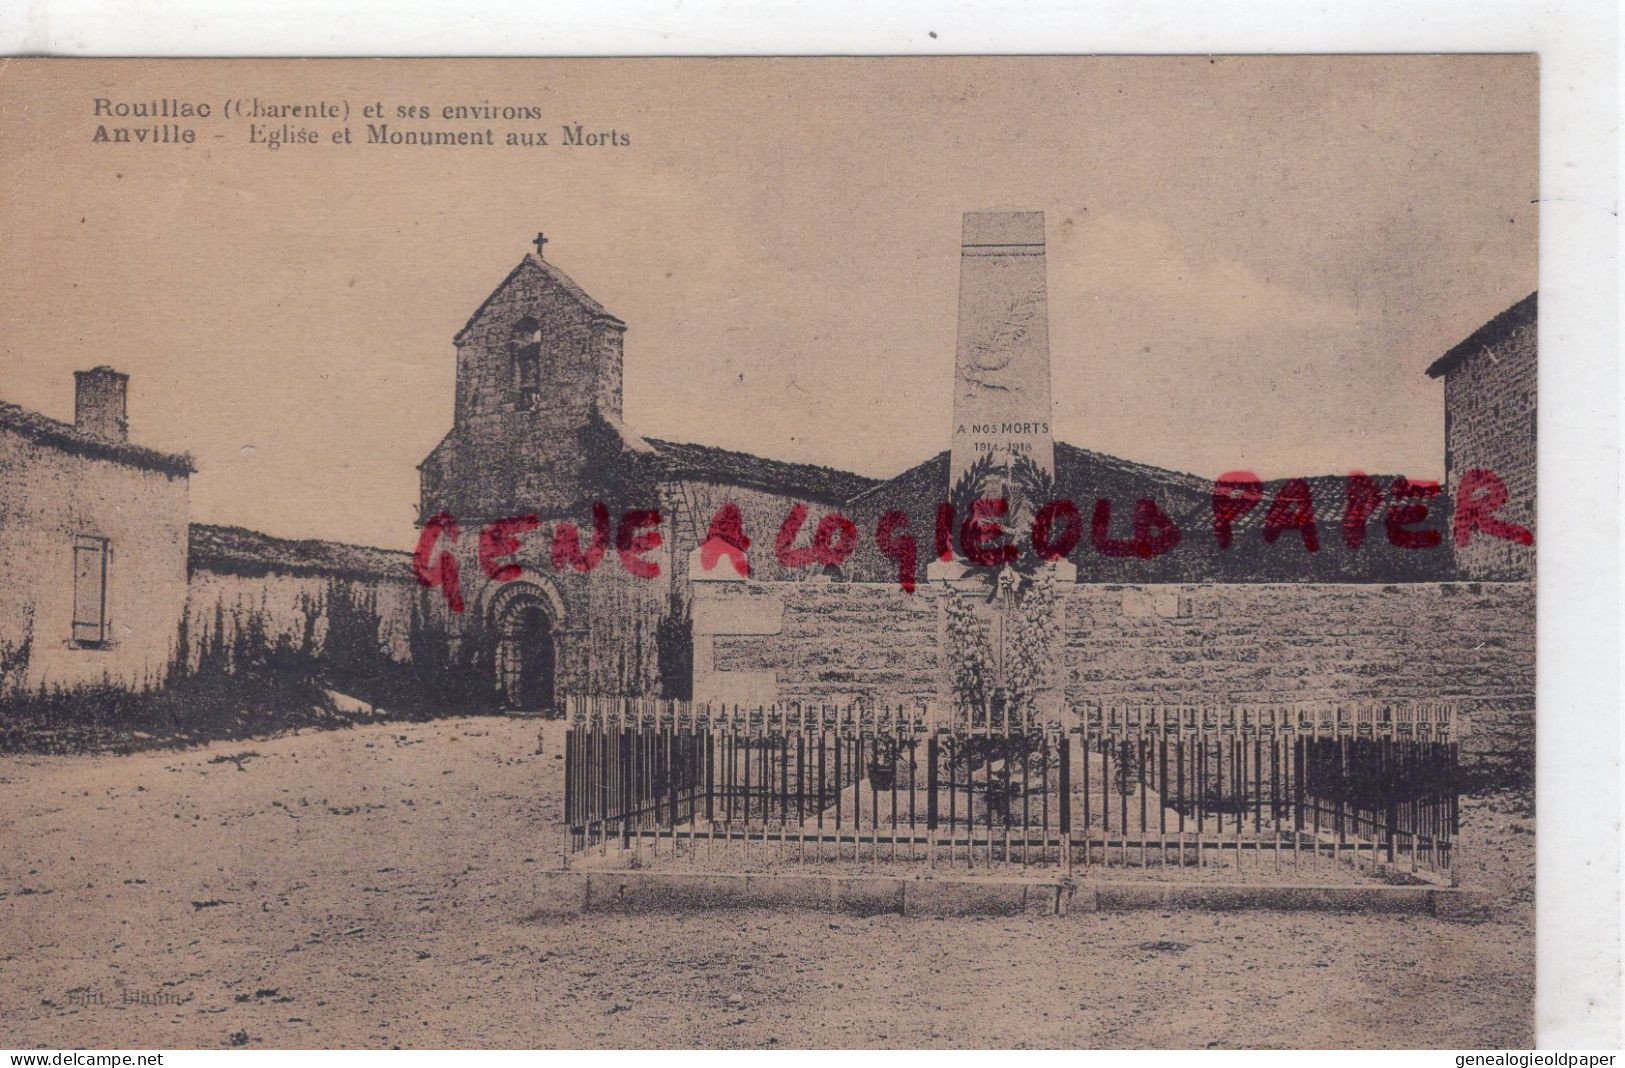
(1152, 787)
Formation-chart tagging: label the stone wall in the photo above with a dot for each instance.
(50, 497)
(221, 603)
(815, 642)
(1489, 399)
(1469, 645)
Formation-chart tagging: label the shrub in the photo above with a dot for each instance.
(242, 676)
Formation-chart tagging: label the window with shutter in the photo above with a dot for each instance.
(90, 590)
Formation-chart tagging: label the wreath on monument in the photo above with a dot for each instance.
(1025, 487)
(1026, 587)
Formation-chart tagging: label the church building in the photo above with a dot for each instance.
(537, 431)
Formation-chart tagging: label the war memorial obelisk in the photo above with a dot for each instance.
(1002, 405)
(1001, 368)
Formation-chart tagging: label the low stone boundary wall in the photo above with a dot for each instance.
(568, 893)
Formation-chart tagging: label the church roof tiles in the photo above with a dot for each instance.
(826, 484)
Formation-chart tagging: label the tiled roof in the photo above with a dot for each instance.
(1067, 455)
(744, 469)
(69, 438)
(236, 551)
(1329, 494)
(1491, 332)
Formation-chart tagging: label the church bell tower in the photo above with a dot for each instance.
(537, 363)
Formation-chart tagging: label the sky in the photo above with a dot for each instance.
(1251, 261)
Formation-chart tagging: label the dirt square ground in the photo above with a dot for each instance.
(370, 887)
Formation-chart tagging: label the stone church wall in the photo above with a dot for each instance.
(815, 642)
(1470, 646)
(605, 622)
(692, 503)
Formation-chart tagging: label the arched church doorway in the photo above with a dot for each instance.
(525, 654)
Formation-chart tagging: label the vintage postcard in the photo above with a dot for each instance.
(869, 552)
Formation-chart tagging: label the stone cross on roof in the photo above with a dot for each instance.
(541, 239)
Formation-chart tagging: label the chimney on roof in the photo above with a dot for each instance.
(99, 403)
